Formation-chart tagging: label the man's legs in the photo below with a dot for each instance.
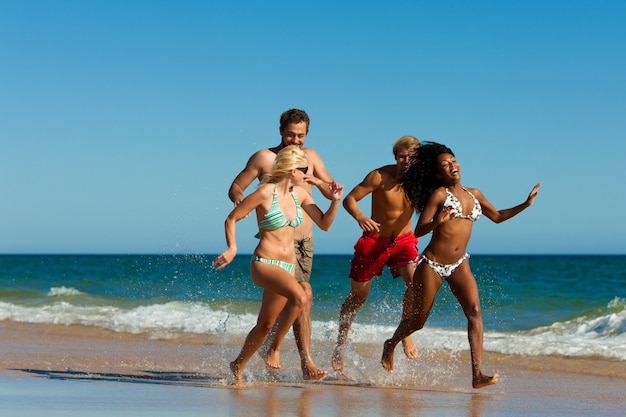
(402, 262)
(406, 272)
(302, 329)
(357, 297)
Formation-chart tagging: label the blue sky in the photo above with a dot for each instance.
(123, 123)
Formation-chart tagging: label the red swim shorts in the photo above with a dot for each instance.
(373, 252)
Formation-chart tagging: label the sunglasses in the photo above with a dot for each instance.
(303, 170)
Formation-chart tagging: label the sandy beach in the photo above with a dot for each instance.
(75, 370)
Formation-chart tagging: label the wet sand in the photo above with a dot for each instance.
(74, 370)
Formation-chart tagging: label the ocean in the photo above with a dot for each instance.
(566, 306)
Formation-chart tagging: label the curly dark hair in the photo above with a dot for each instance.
(419, 180)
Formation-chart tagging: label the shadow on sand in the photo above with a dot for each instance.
(145, 377)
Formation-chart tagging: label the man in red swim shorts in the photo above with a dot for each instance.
(387, 239)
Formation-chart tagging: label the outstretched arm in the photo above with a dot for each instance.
(498, 216)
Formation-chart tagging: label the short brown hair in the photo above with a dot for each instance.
(294, 116)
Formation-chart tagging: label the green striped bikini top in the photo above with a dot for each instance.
(275, 219)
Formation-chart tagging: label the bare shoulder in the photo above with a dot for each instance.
(389, 177)
(263, 155)
(474, 191)
(439, 195)
(312, 156)
(376, 176)
(387, 171)
(317, 166)
(310, 152)
(304, 196)
(261, 160)
(265, 190)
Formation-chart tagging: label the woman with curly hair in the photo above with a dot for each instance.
(448, 210)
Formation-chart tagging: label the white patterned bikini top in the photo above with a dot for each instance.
(454, 203)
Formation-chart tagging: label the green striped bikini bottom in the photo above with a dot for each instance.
(284, 265)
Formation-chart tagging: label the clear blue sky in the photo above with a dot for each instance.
(123, 123)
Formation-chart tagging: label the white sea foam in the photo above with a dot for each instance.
(59, 291)
(601, 336)
(174, 318)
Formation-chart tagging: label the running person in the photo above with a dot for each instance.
(387, 239)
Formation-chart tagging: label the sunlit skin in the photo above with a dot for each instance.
(282, 293)
(294, 134)
(448, 244)
(391, 215)
(259, 165)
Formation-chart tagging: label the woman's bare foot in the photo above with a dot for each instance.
(263, 353)
(410, 350)
(387, 360)
(339, 359)
(272, 359)
(237, 373)
(481, 380)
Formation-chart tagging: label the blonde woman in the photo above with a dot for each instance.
(279, 202)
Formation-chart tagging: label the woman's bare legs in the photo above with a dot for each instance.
(281, 293)
(302, 335)
(426, 283)
(464, 287)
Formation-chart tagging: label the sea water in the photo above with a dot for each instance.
(571, 306)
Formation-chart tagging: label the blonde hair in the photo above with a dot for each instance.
(405, 142)
(288, 159)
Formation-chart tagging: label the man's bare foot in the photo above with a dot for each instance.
(272, 359)
(339, 359)
(410, 350)
(483, 381)
(237, 373)
(312, 373)
(387, 360)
